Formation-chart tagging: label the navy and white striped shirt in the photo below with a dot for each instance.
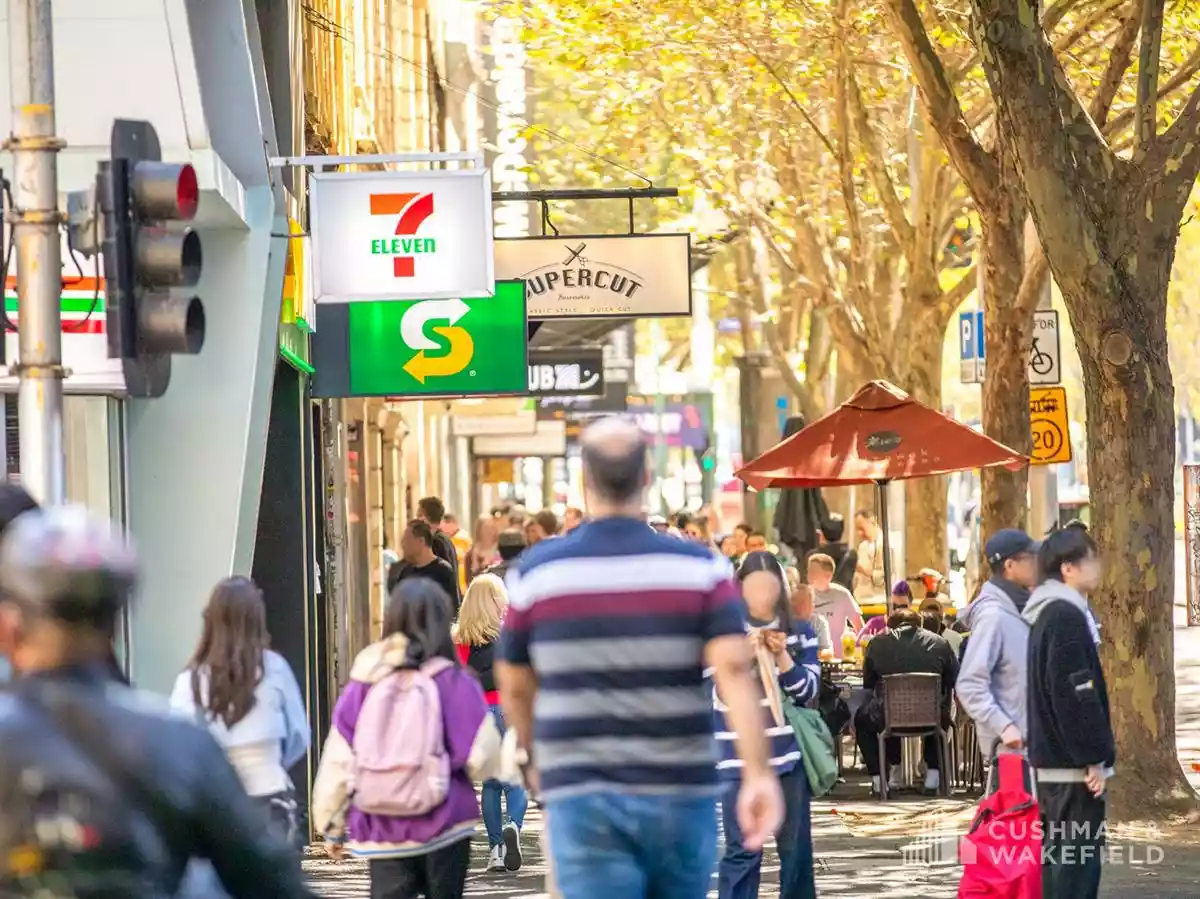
(613, 619)
(801, 685)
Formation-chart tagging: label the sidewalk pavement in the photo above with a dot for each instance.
(873, 850)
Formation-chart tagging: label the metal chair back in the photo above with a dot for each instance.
(912, 702)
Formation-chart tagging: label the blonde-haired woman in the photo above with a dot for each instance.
(476, 635)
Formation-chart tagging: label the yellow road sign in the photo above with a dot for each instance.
(1048, 422)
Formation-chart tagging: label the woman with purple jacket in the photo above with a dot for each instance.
(422, 855)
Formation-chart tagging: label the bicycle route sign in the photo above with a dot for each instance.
(1045, 349)
(1049, 423)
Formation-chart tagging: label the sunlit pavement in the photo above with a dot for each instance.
(897, 850)
(873, 850)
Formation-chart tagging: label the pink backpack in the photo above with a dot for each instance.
(402, 768)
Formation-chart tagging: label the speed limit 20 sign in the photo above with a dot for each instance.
(1048, 422)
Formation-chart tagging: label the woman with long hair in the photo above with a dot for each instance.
(785, 653)
(476, 637)
(248, 698)
(426, 850)
(485, 546)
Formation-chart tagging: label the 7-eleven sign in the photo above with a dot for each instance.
(410, 212)
(82, 305)
(384, 235)
(84, 341)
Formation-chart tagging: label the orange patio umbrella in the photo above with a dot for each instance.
(880, 434)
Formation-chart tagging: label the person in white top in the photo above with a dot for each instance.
(832, 601)
(869, 580)
(248, 698)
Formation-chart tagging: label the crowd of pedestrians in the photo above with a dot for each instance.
(638, 678)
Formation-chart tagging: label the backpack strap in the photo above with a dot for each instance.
(435, 666)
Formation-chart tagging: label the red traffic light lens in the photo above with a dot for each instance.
(165, 191)
(187, 192)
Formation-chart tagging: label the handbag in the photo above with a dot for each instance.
(1001, 854)
(817, 750)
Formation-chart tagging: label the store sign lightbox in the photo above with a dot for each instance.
(401, 235)
(433, 347)
(634, 275)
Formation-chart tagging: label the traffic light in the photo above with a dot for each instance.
(145, 256)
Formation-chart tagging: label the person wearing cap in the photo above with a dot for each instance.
(992, 680)
(901, 599)
(132, 794)
(510, 544)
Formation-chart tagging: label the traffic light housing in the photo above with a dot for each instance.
(145, 257)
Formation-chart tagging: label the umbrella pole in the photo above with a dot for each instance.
(886, 542)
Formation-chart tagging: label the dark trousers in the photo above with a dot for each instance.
(739, 869)
(438, 875)
(866, 734)
(1072, 840)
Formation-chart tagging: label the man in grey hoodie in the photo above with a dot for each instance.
(992, 678)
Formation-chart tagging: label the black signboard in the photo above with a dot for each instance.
(576, 372)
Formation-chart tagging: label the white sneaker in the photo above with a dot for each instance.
(512, 847)
(895, 782)
(496, 859)
(933, 780)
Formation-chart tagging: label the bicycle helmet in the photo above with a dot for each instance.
(68, 564)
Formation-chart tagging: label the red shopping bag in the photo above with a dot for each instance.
(1001, 854)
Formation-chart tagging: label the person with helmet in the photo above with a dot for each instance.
(102, 792)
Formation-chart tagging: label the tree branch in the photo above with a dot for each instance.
(846, 168)
(1033, 282)
(978, 167)
(1174, 162)
(1114, 70)
(954, 297)
(1149, 51)
(1181, 77)
(1056, 11)
(1067, 169)
(795, 101)
(876, 161)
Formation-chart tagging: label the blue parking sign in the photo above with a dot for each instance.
(970, 346)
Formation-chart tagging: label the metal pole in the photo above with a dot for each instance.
(36, 222)
(660, 408)
(1191, 536)
(1043, 479)
(885, 542)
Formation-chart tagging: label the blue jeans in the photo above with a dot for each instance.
(515, 798)
(609, 844)
(738, 872)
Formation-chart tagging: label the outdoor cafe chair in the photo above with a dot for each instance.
(912, 707)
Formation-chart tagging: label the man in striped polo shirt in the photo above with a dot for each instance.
(607, 635)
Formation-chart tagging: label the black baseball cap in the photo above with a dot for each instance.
(1007, 543)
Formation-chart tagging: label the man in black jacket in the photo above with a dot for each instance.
(905, 648)
(1071, 745)
(418, 544)
(432, 510)
(102, 792)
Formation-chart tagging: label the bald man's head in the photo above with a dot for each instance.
(614, 459)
